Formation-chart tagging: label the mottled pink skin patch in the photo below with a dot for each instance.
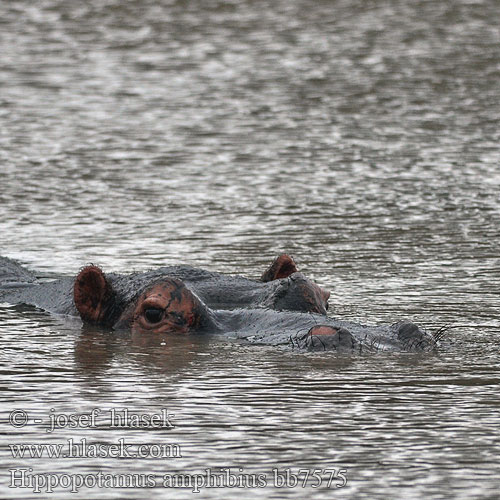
(180, 309)
(316, 296)
(322, 330)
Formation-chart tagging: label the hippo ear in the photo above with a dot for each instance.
(93, 295)
(281, 267)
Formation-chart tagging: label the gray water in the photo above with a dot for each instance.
(359, 136)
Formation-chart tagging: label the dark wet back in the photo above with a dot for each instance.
(295, 293)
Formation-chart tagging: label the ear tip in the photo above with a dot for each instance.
(89, 272)
(89, 267)
(285, 258)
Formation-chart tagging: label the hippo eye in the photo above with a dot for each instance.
(153, 314)
(177, 318)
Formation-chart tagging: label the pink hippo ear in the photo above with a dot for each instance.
(281, 267)
(92, 294)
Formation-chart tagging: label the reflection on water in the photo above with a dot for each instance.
(361, 137)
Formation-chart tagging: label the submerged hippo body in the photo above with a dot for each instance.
(285, 308)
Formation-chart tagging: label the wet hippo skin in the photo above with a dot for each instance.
(285, 308)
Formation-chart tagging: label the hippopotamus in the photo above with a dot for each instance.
(281, 287)
(282, 308)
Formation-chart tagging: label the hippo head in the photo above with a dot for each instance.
(163, 306)
(297, 293)
(293, 291)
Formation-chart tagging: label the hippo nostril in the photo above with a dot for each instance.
(153, 314)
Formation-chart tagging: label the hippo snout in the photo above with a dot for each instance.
(410, 335)
(327, 338)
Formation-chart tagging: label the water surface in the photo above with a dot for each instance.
(361, 137)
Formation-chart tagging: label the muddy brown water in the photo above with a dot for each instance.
(361, 137)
